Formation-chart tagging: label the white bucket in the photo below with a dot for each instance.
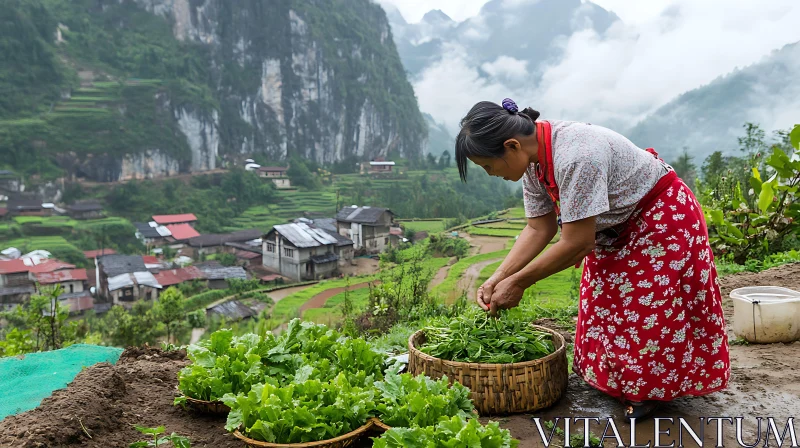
(766, 314)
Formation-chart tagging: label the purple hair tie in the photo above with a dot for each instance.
(510, 105)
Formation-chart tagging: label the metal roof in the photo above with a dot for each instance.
(302, 235)
(361, 215)
(213, 270)
(114, 265)
(381, 163)
(146, 231)
(174, 219)
(182, 232)
(130, 279)
(219, 239)
(232, 309)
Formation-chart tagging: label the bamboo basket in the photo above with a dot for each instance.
(342, 441)
(379, 425)
(499, 389)
(206, 407)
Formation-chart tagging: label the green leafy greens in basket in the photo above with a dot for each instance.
(449, 433)
(302, 412)
(408, 401)
(227, 364)
(474, 336)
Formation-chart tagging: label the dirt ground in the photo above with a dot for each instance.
(100, 407)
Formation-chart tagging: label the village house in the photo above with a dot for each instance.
(75, 294)
(85, 210)
(377, 166)
(182, 233)
(184, 218)
(221, 242)
(27, 205)
(367, 227)
(152, 234)
(174, 277)
(218, 276)
(302, 251)
(277, 174)
(18, 278)
(124, 279)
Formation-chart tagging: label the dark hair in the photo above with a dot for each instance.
(486, 127)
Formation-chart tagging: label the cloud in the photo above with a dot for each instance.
(619, 78)
(450, 87)
(506, 67)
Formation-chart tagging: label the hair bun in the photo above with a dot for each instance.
(532, 114)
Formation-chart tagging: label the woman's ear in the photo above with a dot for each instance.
(512, 144)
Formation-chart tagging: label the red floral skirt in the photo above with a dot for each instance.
(650, 323)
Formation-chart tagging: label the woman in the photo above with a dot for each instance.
(650, 325)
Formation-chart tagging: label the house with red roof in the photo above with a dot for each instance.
(182, 232)
(22, 277)
(185, 218)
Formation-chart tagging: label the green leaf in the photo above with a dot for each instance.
(735, 231)
(716, 217)
(766, 196)
(151, 431)
(794, 137)
(179, 441)
(756, 175)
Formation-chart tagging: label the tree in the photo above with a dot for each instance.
(685, 168)
(300, 175)
(431, 161)
(39, 325)
(227, 259)
(444, 160)
(169, 311)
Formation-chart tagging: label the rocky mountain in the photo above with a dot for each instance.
(505, 37)
(118, 89)
(710, 118)
(523, 30)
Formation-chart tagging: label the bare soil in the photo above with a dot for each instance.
(100, 407)
(485, 244)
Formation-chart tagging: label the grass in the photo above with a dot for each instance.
(482, 231)
(503, 225)
(457, 271)
(289, 307)
(517, 212)
(425, 226)
(331, 313)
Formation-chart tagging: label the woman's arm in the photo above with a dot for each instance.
(577, 241)
(534, 237)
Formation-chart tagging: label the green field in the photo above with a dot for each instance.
(425, 226)
(457, 270)
(482, 231)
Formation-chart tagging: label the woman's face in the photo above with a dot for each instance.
(511, 166)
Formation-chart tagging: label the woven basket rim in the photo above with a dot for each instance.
(350, 435)
(377, 422)
(562, 347)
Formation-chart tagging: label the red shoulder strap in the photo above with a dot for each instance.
(545, 170)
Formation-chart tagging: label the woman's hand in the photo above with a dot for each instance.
(486, 290)
(507, 294)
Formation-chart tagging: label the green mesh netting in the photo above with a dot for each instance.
(25, 382)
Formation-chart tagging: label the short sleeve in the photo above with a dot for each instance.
(583, 189)
(537, 201)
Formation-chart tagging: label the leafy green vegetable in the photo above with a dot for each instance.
(448, 433)
(408, 401)
(302, 412)
(227, 364)
(474, 336)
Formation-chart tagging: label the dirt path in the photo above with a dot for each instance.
(281, 294)
(197, 333)
(437, 279)
(318, 301)
(485, 244)
(467, 281)
(765, 382)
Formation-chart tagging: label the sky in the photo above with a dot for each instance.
(660, 49)
(631, 11)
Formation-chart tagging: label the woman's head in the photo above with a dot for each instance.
(498, 138)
